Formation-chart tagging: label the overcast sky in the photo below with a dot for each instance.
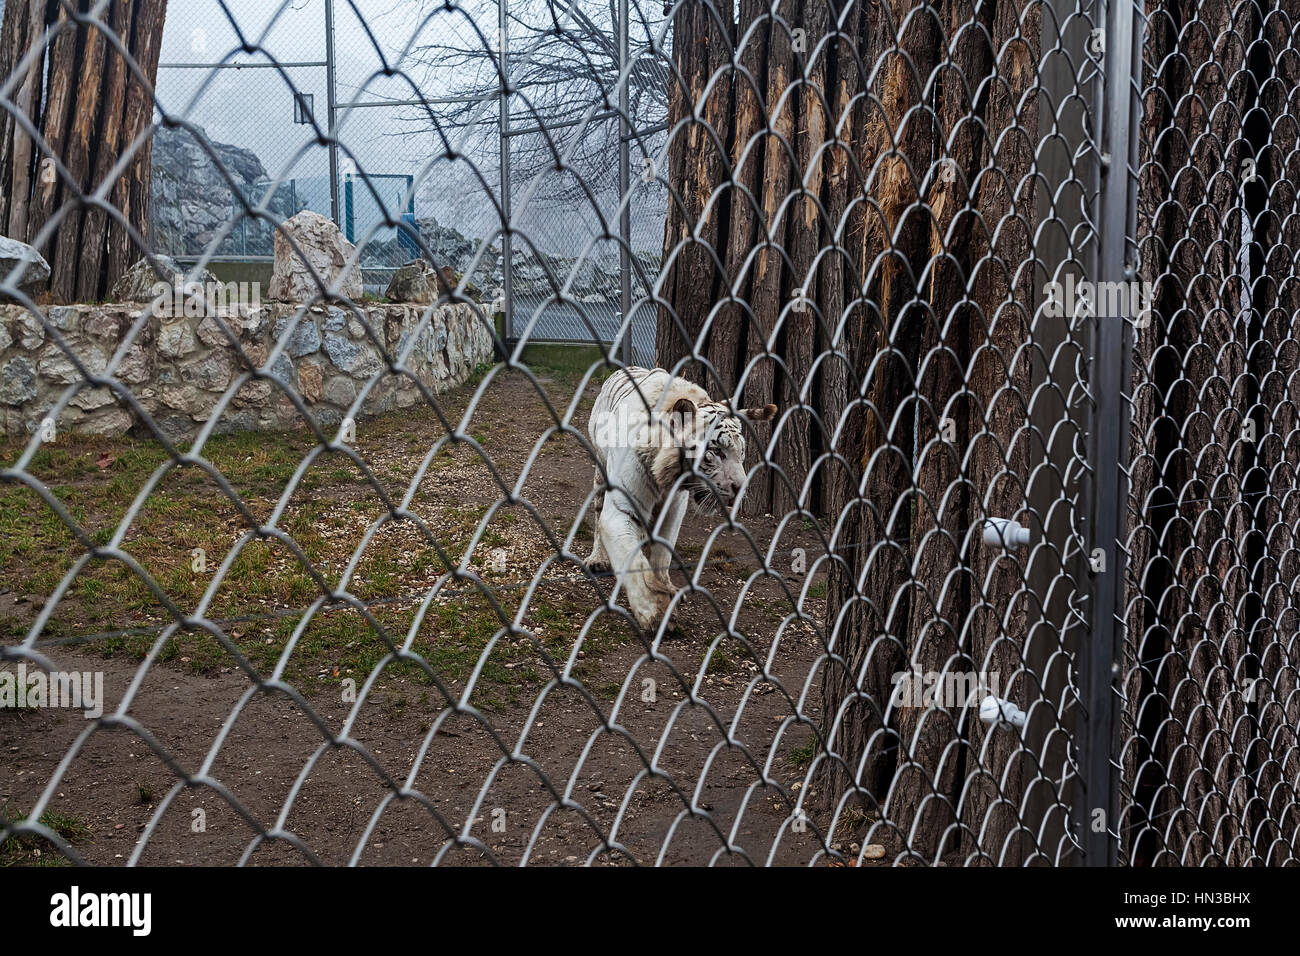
(253, 108)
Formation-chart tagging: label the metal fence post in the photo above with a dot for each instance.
(331, 100)
(624, 185)
(349, 213)
(503, 128)
(1110, 361)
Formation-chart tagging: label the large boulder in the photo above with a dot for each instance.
(321, 247)
(192, 202)
(138, 283)
(413, 282)
(14, 253)
(420, 283)
(446, 246)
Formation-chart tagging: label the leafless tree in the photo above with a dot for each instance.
(564, 69)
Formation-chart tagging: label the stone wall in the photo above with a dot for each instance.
(179, 367)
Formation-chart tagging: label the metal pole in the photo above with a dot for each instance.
(503, 148)
(1110, 363)
(624, 186)
(331, 106)
(349, 223)
(1061, 163)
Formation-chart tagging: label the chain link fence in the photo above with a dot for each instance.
(253, 109)
(990, 552)
(365, 64)
(1207, 761)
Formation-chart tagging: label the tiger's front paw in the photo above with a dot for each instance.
(652, 605)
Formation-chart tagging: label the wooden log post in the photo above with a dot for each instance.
(91, 107)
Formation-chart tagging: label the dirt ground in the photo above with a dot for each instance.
(490, 744)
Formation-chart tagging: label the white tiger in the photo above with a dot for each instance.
(663, 443)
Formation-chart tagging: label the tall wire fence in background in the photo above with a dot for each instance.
(1011, 577)
(327, 59)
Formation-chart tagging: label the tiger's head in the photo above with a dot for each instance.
(709, 447)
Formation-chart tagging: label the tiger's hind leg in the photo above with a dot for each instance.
(598, 560)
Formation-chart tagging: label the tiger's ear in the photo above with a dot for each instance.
(682, 416)
(761, 413)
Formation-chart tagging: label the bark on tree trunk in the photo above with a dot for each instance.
(1210, 508)
(131, 194)
(26, 35)
(900, 376)
(89, 105)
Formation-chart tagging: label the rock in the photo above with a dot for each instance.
(280, 413)
(326, 252)
(36, 271)
(255, 393)
(874, 851)
(139, 283)
(177, 368)
(211, 373)
(304, 339)
(176, 428)
(282, 370)
(257, 354)
(310, 382)
(211, 334)
(33, 331)
(383, 397)
(56, 366)
(105, 325)
(17, 381)
(450, 279)
(192, 199)
(447, 246)
(136, 367)
(182, 398)
(326, 417)
(414, 282)
(110, 422)
(252, 321)
(176, 339)
(63, 317)
(340, 391)
(358, 361)
(241, 420)
(92, 398)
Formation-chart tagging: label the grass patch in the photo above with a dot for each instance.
(189, 525)
(803, 756)
(31, 850)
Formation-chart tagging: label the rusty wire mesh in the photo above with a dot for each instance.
(880, 218)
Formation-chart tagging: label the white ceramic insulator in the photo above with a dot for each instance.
(1005, 533)
(994, 709)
